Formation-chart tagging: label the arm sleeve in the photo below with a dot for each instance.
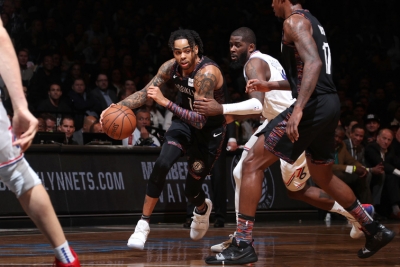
(250, 106)
(188, 116)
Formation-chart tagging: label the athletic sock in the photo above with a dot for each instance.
(63, 253)
(202, 211)
(337, 208)
(146, 218)
(358, 212)
(244, 230)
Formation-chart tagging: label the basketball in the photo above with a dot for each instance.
(119, 122)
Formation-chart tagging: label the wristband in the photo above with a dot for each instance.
(354, 168)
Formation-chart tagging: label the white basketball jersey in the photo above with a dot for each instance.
(275, 101)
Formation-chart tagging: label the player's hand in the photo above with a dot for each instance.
(232, 146)
(208, 107)
(101, 115)
(257, 85)
(24, 126)
(292, 124)
(229, 118)
(155, 93)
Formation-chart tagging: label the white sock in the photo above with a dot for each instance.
(63, 253)
(337, 208)
(395, 209)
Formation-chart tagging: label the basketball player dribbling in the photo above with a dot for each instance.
(199, 137)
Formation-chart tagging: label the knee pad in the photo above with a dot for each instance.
(295, 176)
(19, 177)
(157, 177)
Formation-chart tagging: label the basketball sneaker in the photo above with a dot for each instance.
(139, 237)
(381, 237)
(218, 248)
(200, 223)
(356, 231)
(75, 263)
(241, 253)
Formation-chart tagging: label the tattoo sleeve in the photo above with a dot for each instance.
(138, 98)
(322, 194)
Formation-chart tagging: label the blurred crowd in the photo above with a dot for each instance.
(79, 56)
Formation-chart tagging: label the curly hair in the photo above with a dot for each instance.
(190, 35)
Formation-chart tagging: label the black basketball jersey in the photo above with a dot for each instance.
(185, 86)
(293, 64)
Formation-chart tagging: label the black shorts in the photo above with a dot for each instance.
(202, 146)
(316, 131)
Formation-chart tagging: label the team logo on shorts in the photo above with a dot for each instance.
(198, 166)
(268, 186)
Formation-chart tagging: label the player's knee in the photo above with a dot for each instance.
(19, 177)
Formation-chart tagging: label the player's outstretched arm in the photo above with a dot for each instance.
(24, 123)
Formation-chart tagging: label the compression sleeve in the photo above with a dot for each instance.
(188, 116)
(250, 106)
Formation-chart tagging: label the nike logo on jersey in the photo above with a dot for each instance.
(215, 135)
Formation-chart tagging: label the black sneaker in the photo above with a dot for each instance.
(380, 236)
(234, 254)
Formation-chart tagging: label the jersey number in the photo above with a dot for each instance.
(327, 53)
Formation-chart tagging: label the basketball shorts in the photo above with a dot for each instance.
(202, 146)
(316, 131)
(294, 175)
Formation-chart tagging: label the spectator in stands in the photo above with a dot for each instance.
(88, 121)
(372, 124)
(128, 88)
(349, 170)
(102, 96)
(51, 122)
(157, 119)
(80, 101)
(26, 67)
(348, 124)
(357, 151)
(380, 151)
(96, 128)
(116, 80)
(41, 81)
(67, 126)
(41, 124)
(54, 104)
(141, 136)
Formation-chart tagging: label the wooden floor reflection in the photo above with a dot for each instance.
(277, 244)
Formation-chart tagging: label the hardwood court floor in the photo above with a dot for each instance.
(278, 244)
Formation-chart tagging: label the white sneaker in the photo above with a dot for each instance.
(200, 223)
(218, 248)
(139, 237)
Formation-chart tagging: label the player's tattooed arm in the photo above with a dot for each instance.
(138, 98)
(258, 69)
(205, 82)
(298, 30)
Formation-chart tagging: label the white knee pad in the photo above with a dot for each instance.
(295, 176)
(19, 177)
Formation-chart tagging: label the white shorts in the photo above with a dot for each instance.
(294, 175)
(8, 154)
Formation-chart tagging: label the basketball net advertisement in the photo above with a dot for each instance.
(107, 179)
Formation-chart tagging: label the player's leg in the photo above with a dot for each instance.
(201, 160)
(19, 177)
(168, 156)
(295, 178)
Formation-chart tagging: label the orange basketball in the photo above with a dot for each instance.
(119, 122)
